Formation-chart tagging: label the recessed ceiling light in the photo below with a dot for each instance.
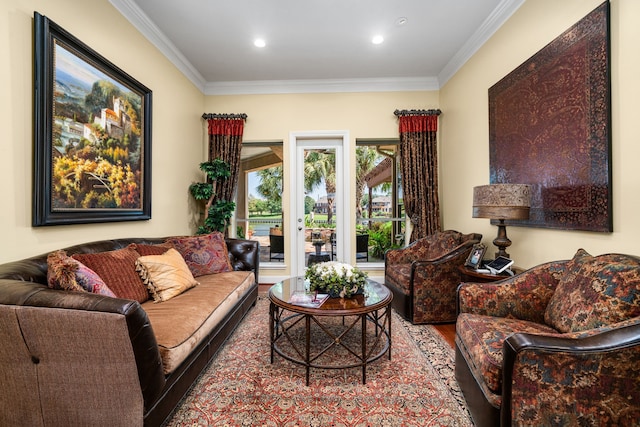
(377, 39)
(259, 43)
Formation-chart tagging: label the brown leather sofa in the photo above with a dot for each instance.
(74, 358)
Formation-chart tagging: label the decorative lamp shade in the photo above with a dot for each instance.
(502, 201)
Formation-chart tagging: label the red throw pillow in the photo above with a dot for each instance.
(145, 250)
(118, 270)
(206, 254)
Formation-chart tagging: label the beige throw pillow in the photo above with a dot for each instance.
(165, 275)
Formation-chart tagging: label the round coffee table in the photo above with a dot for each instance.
(373, 307)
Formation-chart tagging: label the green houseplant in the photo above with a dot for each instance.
(217, 212)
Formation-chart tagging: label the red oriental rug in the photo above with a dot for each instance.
(242, 388)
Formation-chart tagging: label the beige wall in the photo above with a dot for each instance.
(464, 128)
(364, 115)
(176, 131)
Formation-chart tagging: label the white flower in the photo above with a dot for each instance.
(336, 278)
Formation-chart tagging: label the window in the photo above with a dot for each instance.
(259, 199)
(379, 209)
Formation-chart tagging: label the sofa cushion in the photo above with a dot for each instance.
(64, 272)
(165, 275)
(206, 254)
(181, 323)
(594, 292)
(480, 340)
(118, 270)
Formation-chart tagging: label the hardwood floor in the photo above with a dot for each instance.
(448, 330)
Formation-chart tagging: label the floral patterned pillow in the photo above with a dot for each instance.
(64, 272)
(594, 292)
(206, 254)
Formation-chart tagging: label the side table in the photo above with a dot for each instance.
(471, 275)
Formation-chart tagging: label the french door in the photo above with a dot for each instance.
(319, 198)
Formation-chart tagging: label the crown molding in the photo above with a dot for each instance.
(498, 17)
(321, 86)
(142, 23)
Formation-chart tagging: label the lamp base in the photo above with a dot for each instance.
(502, 241)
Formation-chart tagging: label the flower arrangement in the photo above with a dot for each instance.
(336, 279)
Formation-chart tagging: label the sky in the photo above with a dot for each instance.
(254, 181)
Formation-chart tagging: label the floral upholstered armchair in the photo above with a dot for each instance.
(558, 344)
(424, 275)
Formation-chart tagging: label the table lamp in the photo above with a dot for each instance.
(502, 201)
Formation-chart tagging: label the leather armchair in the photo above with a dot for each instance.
(424, 275)
(558, 344)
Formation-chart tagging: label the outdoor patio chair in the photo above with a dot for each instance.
(362, 247)
(276, 247)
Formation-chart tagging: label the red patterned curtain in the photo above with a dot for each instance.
(225, 142)
(419, 168)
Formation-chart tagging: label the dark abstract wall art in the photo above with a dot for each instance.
(549, 126)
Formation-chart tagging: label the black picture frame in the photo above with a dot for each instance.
(474, 260)
(92, 134)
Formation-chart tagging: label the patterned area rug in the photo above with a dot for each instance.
(242, 388)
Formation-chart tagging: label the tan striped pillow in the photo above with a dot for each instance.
(165, 275)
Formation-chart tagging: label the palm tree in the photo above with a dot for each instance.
(366, 159)
(319, 166)
(270, 186)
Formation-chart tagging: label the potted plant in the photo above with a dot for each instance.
(217, 213)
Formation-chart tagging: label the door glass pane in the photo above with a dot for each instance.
(320, 205)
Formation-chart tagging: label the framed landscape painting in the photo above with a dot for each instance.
(92, 134)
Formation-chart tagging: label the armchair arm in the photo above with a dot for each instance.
(590, 375)
(244, 255)
(434, 282)
(143, 340)
(524, 296)
(421, 249)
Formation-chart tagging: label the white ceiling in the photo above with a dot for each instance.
(317, 45)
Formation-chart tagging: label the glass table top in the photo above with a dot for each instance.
(375, 295)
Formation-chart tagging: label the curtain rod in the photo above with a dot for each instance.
(399, 113)
(207, 116)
